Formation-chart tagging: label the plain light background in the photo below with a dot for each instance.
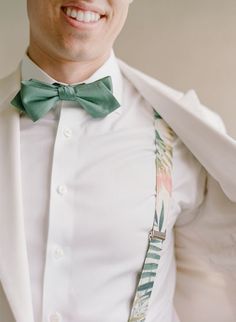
(184, 43)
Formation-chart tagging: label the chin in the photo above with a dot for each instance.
(78, 55)
(84, 53)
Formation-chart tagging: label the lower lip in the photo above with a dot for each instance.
(82, 25)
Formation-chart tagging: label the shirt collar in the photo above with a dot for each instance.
(29, 70)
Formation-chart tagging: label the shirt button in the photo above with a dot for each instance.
(67, 133)
(62, 190)
(58, 253)
(55, 317)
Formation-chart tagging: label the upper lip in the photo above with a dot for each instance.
(84, 6)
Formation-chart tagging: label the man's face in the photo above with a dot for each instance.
(77, 30)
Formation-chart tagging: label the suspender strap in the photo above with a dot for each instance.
(163, 141)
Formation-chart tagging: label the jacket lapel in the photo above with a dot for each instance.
(14, 271)
(200, 129)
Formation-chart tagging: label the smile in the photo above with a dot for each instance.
(81, 15)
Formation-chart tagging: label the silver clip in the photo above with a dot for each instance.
(155, 234)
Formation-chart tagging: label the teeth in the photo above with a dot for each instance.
(97, 16)
(82, 16)
(87, 17)
(68, 11)
(92, 16)
(73, 13)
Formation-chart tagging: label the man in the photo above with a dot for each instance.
(79, 191)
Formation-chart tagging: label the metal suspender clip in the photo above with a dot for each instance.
(155, 234)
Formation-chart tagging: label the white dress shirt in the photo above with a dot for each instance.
(89, 202)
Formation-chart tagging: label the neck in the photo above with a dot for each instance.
(65, 71)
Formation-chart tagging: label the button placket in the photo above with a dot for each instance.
(67, 133)
(58, 253)
(60, 224)
(62, 190)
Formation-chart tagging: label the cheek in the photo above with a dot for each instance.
(45, 15)
(118, 20)
(49, 24)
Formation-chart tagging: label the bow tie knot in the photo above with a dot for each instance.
(37, 98)
(67, 93)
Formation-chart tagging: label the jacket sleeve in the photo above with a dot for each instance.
(203, 132)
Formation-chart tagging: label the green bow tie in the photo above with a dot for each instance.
(37, 98)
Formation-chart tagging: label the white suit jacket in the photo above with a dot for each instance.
(205, 247)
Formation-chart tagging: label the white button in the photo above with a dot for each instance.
(58, 253)
(55, 317)
(62, 189)
(67, 133)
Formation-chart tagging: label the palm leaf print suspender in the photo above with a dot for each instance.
(163, 141)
